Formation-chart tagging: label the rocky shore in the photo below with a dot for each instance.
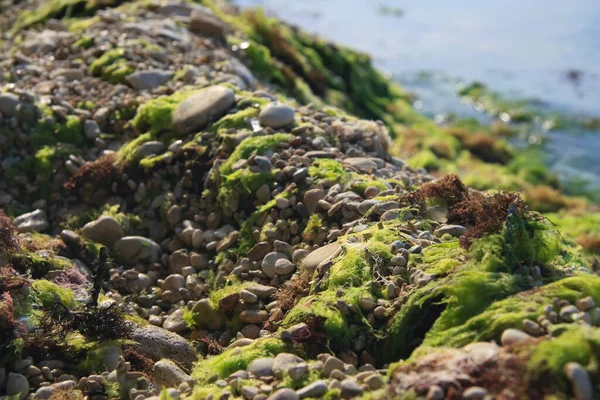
(202, 203)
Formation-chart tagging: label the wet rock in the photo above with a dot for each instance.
(452, 230)
(261, 367)
(580, 380)
(158, 343)
(35, 221)
(17, 385)
(166, 373)
(201, 108)
(276, 115)
(148, 80)
(105, 230)
(137, 249)
(513, 336)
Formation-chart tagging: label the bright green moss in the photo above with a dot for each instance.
(235, 121)
(46, 293)
(235, 359)
(128, 152)
(230, 288)
(112, 66)
(156, 115)
(152, 161)
(330, 170)
(425, 159)
(69, 132)
(85, 42)
(320, 307)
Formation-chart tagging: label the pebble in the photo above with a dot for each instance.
(512, 336)
(8, 104)
(567, 312)
(350, 389)
(284, 266)
(175, 322)
(205, 316)
(166, 373)
(435, 393)
(150, 79)
(585, 304)
(17, 385)
(269, 262)
(137, 249)
(532, 328)
(158, 343)
(475, 393)
(580, 380)
(35, 221)
(254, 316)
(261, 367)
(276, 115)
(332, 364)
(316, 257)
(452, 230)
(315, 389)
(194, 113)
(284, 394)
(283, 362)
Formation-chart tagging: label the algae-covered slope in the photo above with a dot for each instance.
(198, 203)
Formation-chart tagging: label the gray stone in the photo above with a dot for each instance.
(262, 291)
(17, 385)
(269, 262)
(175, 322)
(8, 104)
(35, 221)
(511, 336)
(375, 381)
(332, 364)
(173, 282)
(138, 249)
(150, 148)
(44, 393)
(167, 374)
(579, 378)
(350, 389)
(315, 389)
(475, 393)
(298, 371)
(452, 230)
(248, 297)
(158, 343)
(261, 367)
(105, 230)
(435, 393)
(254, 316)
(283, 362)
(206, 316)
(198, 110)
(284, 266)
(568, 312)
(284, 394)
(362, 164)
(148, 80)
(91, 130)
(259, 251)
(205, 22)
(532, 328)
(587, 303)
(311, 199)
(316, 257)
(276, 115)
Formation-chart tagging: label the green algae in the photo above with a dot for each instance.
(48, 134)
(330, 170)
(56, 9)
(45, 293)
(152, 161)
(112, 66)
(155, 115)
(235, 359)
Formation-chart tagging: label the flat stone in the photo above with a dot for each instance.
(158, 343)
(198, 110)
(166, 373)
(105, 230)
(311, 199)
(316, 257)
(452, 230)
(70, 74)
(284, 394)
(262, 291)
(137, 249)
(315, 389)
(35, 221)
(150, 148)
(254, 316)
(261, 367)
(367, 205)
(579, 378)
(148, 80)
(362, 164)
(175, 322)
(276, 115)
(259, 251)
(513, 336)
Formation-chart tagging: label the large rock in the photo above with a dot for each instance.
(167, 374)
(17, 385)
(205, 316)
(137, 249)
(198, 110)
(33, 221)
(148, 80)
(105, 230)
(158, 343)
(276, 115)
